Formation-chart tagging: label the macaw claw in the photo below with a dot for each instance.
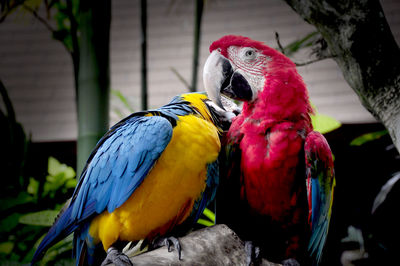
(168, 242)
(252, 253)
(117, 258)
(290, 262)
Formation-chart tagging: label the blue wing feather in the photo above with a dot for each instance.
(114, 170)
(321, 182)
(116, 167)
(209, 192)
(130, 163)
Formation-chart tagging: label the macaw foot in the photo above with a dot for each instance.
(117, 258)
(290, 262)
(252, 253)
(167, 241)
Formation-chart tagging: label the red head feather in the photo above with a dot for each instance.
(284, 95)
(278, 59)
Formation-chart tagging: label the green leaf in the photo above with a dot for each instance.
(123, 99)
(296, 45)
(368, 137)
(205, 222)
(61, 16)
(71, 183)
(53, 166)
(118, 113)
(9, 223)
(59, 248)
(8, 203)
(41, 218)
(209, 214)
(55, 250)
(53, 183)
(69, 173)
(323, 123)
(58, 178)
(6, 247)
(180, 77)
(33, 186)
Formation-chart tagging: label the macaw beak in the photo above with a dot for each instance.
(220, 77)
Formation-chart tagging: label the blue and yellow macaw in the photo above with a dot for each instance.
(149, 173)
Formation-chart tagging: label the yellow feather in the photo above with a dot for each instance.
(178, 178)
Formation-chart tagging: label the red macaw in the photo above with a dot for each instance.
(279, 183)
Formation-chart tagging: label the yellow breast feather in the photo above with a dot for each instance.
(170, 189)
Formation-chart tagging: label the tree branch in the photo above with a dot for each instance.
(320, 57)
(38, 17)
(358, 33)
(73, 31)
(6, 8)
(278, 41)
(181, 78)
(216, 245)
(312, 61)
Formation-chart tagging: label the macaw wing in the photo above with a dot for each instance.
(320, 187)
(120, 162)
(208, 195)
(117, 166)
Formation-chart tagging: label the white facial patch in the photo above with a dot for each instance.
(251, 64)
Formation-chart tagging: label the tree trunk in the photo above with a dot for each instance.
(216, 245)
(143, 45)
(93, 77)
(198, 13)
(359, 36)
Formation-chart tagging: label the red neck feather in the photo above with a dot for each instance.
(284, 98)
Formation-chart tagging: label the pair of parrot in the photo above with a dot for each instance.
(154, 172)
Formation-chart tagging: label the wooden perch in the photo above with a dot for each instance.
(216, 245)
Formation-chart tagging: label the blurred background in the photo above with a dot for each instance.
(38, 64)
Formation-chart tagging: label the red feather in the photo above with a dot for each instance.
(270, 134)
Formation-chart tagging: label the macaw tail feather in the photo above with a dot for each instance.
(317, 241)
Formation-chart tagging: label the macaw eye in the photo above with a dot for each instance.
(249, 54)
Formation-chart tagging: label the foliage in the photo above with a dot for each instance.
(305, 42)
(323, 123)
(368, 137)
(125, 107)
(28, 205)
(83, 28)
(24, 225)
(65, 17)
(313, 41)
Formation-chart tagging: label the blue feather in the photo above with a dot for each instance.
(209, 192)
(322, 186)
(116, 167)
(62, 227)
